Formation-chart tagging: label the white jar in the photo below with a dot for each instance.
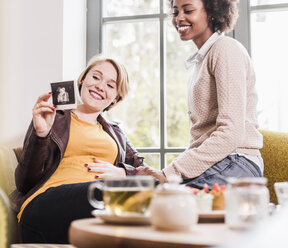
(173, 206)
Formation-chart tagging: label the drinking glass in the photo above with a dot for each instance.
(123, 196)
(281, 189)
(247, 201)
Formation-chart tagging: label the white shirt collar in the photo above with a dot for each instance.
(200, 54)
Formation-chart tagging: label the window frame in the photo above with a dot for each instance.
(95, 23)
(242, 31)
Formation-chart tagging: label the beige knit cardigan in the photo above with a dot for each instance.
(222, 103)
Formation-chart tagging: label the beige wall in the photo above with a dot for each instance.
(32, 55)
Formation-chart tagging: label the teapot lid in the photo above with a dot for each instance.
(173, 186)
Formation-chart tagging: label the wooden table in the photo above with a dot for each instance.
(93, 232)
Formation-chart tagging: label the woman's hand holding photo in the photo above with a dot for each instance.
(43, 115)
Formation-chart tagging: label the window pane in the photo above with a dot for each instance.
(263, 2)
(112, 8)
(152, 159)
(166, 7)
(176, 83)
(270, 61)
(169, 157)
(136, 45)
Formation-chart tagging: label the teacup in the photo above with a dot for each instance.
(124, 196)
(281, 189)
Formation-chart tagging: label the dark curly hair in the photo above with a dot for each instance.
(222, 14)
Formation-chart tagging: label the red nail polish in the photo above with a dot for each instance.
(89, 169)
(96, 176)
(50, 93)
(85, 165)
(55, 106)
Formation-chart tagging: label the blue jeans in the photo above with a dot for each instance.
(231, 166)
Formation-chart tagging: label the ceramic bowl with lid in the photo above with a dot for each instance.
(173, 206)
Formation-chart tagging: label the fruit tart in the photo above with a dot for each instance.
(219, 196)
(208, 200)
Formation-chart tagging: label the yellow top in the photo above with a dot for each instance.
(86, 141)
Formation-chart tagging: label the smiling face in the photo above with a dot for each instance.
(99, 88)
(190, 20)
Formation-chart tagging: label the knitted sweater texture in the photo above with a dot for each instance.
(222, 103)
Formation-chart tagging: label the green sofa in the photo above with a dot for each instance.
(275, 156)
(8, 223)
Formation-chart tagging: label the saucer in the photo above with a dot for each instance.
(127, 219)
(212, 216)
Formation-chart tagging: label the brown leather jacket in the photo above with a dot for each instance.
(41, 156)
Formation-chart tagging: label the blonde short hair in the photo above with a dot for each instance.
(122, 80)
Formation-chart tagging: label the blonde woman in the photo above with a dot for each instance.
(64, 151)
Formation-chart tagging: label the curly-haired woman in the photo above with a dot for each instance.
(222, 98)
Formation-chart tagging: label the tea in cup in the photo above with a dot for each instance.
(124, 196)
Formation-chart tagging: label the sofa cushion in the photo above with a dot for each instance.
(8, 164)
(274, 153)
(4, 220)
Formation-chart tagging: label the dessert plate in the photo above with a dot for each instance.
(127, 220)
(212, 216)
